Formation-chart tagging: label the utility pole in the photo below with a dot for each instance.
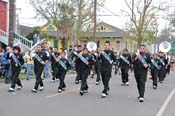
(95, 18)
(12, 21)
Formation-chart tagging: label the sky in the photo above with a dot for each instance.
(26, 13)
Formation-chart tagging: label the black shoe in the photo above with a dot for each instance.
(63, 89)
(123, 84)
(160, 81)
(81, 93)
(7, 82)
(76, 82)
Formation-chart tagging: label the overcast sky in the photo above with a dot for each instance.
(26, 14)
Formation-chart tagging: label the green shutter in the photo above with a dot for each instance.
(55, 43)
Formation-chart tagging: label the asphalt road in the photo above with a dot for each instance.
(122, 101)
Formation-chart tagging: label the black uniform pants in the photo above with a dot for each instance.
(78, 77)
(162, 74)
(97, 68)
(15, 77)
(62, 77)
(106, 75)
(154, 74)
(125, 74)
(84, 75)
(38, 71)
(140, 76)
(54, 73)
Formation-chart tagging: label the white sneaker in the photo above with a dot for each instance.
(34, 90)
(41, 88)
(127, 83)
(57, 80)
(155, 87)
(103, 95)
(19, 87)
(63, 89)
(59, 90)
(52, 81)
(11, 90)
(85, 91)
(141, 99)
(97, 82)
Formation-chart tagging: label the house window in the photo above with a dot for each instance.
(118, 45)
(101, 28)
(50, 28)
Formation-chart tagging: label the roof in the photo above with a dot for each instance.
(115, 32)
(24, 30)
(103, 34)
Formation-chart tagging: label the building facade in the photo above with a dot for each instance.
(107, 32)
(4, 15)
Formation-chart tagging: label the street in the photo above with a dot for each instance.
(122, 101)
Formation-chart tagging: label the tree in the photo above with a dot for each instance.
(60, 13)
(36, 31)
(85, 14)
(70, 16)
(142, 14)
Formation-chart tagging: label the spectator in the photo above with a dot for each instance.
(30, 64)
(6, 64)
(47, 68)
(35, 39)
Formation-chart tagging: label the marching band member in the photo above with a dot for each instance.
(85, 61)
(116, 67)
(155, 62)
(97, 67)
(168, 58)
(107, 57)
(54, 55)
(162, 71)
(124, 63)
(16, 62)
(61, 67)
(40, 59)
(140, 62)
(93, 66)
(78, 78)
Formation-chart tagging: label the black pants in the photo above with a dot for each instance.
(38, 71)
(97, 69)
(15, 77)
(54, 73)
(125, 74)
(168, 69)
(140, 76)
(78, 77)
(154, 74)
(115, 68)
(62, 75)
(162, 74)
(84, 76)
(106, 75)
